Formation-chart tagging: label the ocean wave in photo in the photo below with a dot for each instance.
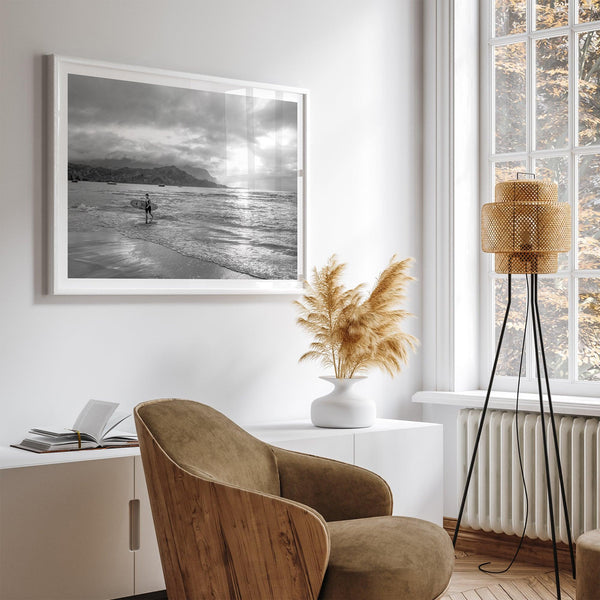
(247, 231)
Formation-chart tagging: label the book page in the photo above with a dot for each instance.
(94, 417)
(119, 437)
(116, 418)
(52, 431)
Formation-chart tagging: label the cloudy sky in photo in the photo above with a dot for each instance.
(240, 141)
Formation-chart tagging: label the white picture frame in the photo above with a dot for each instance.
(83, 231)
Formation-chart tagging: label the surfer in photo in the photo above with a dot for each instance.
(148, 208)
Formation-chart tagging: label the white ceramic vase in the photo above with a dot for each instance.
(343, 408)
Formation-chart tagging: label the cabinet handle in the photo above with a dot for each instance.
(134, 525)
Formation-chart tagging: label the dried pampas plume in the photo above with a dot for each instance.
(352, 333)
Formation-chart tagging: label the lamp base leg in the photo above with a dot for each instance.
(540, 362)
(537, 324)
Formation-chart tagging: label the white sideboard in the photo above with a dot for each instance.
(65, 526)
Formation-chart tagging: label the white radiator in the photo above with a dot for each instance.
(496, 501)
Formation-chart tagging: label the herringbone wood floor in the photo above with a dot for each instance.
(523, 582)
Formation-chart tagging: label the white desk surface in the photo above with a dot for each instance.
(273, 432)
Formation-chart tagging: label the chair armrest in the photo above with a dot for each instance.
(218, 540)
(335, 489)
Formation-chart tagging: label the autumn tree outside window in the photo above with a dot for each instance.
(543, 73)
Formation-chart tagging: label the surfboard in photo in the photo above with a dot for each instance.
(141, 204)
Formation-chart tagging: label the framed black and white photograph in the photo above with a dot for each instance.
(165, 182)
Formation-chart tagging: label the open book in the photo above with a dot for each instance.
(93, 428)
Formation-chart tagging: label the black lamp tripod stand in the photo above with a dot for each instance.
(540, 362)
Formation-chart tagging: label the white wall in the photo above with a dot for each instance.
(361, 62)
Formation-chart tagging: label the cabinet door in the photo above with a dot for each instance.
(64, 531)
(339, 447)
(411, 461)
(148, 569)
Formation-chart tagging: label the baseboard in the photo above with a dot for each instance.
(504, 546)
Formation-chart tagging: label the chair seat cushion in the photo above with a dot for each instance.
(588, 565)
(387, 558)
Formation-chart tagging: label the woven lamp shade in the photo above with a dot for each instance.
(526, 227)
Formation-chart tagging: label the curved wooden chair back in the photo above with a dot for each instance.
(223, 531)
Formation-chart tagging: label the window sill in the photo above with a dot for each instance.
(566, 405)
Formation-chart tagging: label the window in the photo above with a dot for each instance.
(542, 74)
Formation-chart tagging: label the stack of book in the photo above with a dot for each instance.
(95, 427)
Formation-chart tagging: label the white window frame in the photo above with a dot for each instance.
(451, 340)
(571, 386)
(458, 331)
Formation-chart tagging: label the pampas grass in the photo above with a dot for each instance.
(353, 332)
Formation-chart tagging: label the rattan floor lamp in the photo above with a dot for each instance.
(526, 227)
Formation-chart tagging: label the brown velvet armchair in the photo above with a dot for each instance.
(236, 518)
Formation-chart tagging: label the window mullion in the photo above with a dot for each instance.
(573, 196)
(573, 329)
(582, 150)
(587, 26)
(490, 146)
(530, 17)
(531, 136)
(548, 153)
(531, 99)
(540, 34)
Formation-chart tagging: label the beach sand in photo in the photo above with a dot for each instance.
(107, 254)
